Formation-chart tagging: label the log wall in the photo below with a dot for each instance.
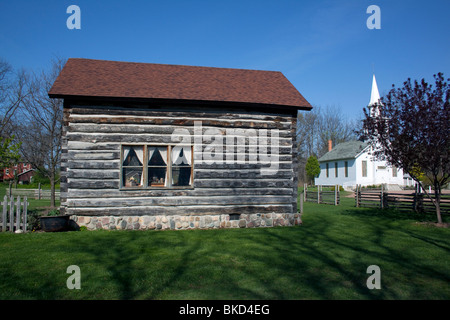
(93, 136)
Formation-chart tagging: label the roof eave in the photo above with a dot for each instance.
(281, 108)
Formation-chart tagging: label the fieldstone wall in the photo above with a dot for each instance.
(178, 222)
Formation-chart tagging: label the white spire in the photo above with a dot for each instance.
(375, 95)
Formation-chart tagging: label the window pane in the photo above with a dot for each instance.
(157, 156)
(133, 156)
(182, 155)
(132, 166)
(181, 175)
(364, 168)
(181, 165)
(157, 176)
(132, 176)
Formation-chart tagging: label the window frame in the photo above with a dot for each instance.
(394, 172)
(145, 167)
(364, 168)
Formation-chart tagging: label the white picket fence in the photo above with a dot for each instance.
(14, 214)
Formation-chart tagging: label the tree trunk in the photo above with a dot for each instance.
(52, 190)
(437, 204)
(437, 198)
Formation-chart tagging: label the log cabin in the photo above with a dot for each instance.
(156, 146)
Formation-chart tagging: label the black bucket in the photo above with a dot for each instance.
(55, 223)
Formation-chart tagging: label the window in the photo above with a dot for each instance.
(181, 166)
(132, 166)
(328, 173)
(346, 169)
(394, 171)
(364, 168)
(150, 166)
(157, 166)
(336, 169)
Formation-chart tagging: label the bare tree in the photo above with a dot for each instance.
(13, 91)
(333, 126)
(315, 128)
(41, 128)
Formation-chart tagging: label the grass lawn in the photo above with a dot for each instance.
(325, 258)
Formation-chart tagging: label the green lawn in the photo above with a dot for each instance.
(325, 258)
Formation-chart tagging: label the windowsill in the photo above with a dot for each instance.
(155, 188)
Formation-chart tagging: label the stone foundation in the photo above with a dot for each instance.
(178, 222)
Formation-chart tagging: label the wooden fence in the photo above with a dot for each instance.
(37, 194)
(418, 202)
(14, 214)
(322, 196)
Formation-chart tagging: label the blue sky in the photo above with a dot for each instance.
(323, 47)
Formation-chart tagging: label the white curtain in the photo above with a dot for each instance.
(126, 151)
(151, 150)
(140, 154)
(176, 154)
(163, 152)
(186, 158)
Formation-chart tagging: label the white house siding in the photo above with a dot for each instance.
(341, 179)
(378, 172)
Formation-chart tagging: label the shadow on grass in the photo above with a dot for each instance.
(325, 258)
(135, 264)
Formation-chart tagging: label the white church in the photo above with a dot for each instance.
(350, 163)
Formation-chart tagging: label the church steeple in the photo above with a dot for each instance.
(375, 95)
(374, 98)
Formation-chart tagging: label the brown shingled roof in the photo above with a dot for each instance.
(112, 79)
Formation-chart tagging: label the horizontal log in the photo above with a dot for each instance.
(92, 184)
(176, 129)
(370, 198)
(199, 174)
(284, 128)
(92, 156)
(179, 201)
(239, 166)
(93, 165)
(282, 165)
(108, 146)
(191, 112)
(242, 183)
(146, 138)
(185, 210)
(115, 193)
(198, 183)
(240, 174)
(93, 174)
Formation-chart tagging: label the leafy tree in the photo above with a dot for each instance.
(12, 93)
(312, 168)
(410, 129)
(9, 152)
